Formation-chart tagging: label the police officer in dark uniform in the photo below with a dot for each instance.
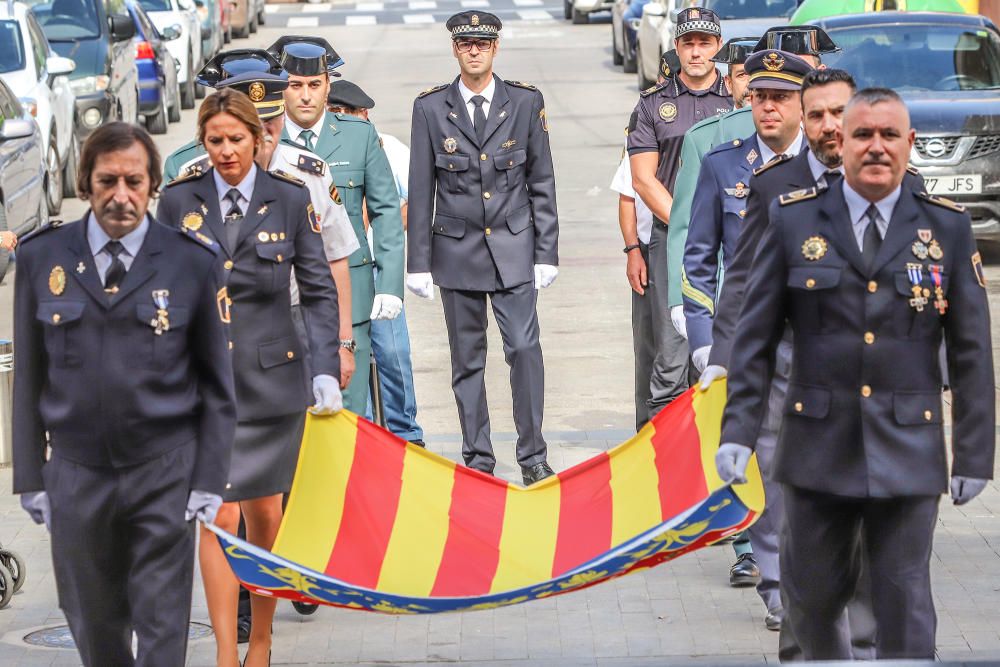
(870, 275)
(656, 132)
(123, 370)
(483, 223)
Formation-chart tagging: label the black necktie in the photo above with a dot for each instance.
(116, 271)
(872, 240)
(234, 216)
(479, 117)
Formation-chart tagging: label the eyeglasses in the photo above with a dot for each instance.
(465, 45)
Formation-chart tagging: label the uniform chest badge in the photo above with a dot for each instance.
(81, 267)
(740, 191)
(262, 210)
(192, 221)
(934, 250)
(450, 145)
(668, 112)
(161, 322)
(814, 248)
(263, 237)
(924, 235)
(507, 144)
(919, 250)
(57, 280)
(752, 156)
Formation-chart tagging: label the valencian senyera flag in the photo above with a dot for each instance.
(377, 524)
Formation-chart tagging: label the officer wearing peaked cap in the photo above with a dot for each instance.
(483, 226)
(348, 94)
(360, 170)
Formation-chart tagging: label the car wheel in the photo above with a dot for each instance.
(228, 35)
(156, 123)
(53, 178)
(567, 9)
(616, 56)
(644, 83)
(261, 16)
(580, 18)
(69, 171)
(252, 24)
(174, 110)
(629, 64)
(188, 88)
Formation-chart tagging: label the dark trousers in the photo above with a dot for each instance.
(669, 377)
(820, 566)
(642, 346)
(465, 317)
(123, 557)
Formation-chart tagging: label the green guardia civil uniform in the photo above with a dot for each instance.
(179, 158)
(701, 138)
(360, 170)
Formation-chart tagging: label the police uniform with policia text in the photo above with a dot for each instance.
(482, 218)
(862, 449)
(130, 384)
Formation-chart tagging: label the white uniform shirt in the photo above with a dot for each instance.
(467, 96)
(622, 184)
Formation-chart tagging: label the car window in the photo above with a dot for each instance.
(156, 5)
(750, 9)
(145, 25)
(39, 47)
(11, 47)
(116, 7)
(9, 106)
(924, 56)
(67, 20)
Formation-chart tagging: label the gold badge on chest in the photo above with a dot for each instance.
(450, 145)
(668, 112)
(192, 221)
(57, 280)
(814, 248)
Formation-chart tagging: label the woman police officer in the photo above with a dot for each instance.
(263, 225)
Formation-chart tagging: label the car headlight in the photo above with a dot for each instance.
(92, 117)
(89, 84)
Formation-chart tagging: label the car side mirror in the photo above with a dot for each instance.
(652, 9)
(122, 27)
(57, 65)
(15, 128)
(170, 33)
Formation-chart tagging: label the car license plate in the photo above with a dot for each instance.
(947, 186)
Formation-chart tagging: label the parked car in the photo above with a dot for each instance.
(946, 67)
(182, 16)
(38, 77)
(159, 89)
(22, 170)
(242, 17)
(739, 18)
(579, 11)
(97, 35)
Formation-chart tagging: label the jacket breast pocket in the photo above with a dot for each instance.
(812, 291)
(450, 171)
(351, 188)
(275, 265)
(163, 350)
(510, 170)
(63, 339)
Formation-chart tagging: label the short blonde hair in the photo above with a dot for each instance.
(237, 105)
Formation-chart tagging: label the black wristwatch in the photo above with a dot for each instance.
(349, 344)
(630, 248)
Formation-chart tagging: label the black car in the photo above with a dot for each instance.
(947, 69)
(97, 35)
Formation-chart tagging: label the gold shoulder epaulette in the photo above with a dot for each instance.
(433, 90)
(913, 170)
(52, 224)
(186, 175)
(285, 176)
(520, 84)
(767, 165)
(797, 196)
(652, 89)
(310, 164)
(942, 202)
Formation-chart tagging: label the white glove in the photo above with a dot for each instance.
(710, 375)
(700, 357)
(203, 505)
(545, 275)
(731, 462)
(36, 504)
(421, 284)
(964, 489)
(326, 391)
(678, 320)
(386, 307)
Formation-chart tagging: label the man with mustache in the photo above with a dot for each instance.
(869, 275)
(124, 375)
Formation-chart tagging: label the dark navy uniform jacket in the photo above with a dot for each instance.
(717, 212)
(480, 216)
(91, 372)
(278, 231)
(863, 416)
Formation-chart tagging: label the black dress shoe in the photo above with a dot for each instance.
(419, 443)
(773, 619)
(536, 473)
(242, 629)
(744, 572)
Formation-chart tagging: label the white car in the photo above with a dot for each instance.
(186, 49)
(38, 77)
(580, 10)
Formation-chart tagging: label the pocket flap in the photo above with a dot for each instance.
(348, 179)
(282, 351)
(807, 401)
(450, 162)
(916, 407)
(814, 277)
(177, 316)
(519, 220)
(278, 252)
(59, 313)
(446, 225)
(510, 160)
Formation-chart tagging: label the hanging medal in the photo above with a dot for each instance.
(161, 322)
(939, 301)
(915, 272)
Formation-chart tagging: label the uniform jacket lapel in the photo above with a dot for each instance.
(260, 207)
(458, 115)
(900, 231)
(498, 109)
(205, 191)
(842, 233)
(88, 278)
(328, 142)
(143, 266)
